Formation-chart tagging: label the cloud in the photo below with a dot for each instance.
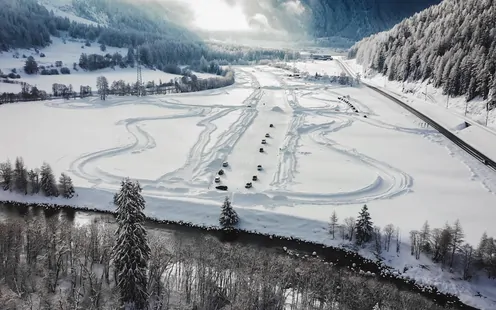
(294, 7)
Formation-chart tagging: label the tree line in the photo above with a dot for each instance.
(50, 263)
(445, 245)
(452, 45)
(41, 180)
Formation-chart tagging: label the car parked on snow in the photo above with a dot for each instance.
(271, 125)
(221, 187)
(267, 135)
(221, 172)
(261, 150)
(248, 185)
(254, 178)
(264, 141)
(259, 167)
(217, 179)
(225, 164)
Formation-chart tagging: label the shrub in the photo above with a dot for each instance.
(65, 70)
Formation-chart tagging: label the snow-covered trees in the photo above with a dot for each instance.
(25, 181)
(452, 44)
(228, 216)
(102, 86)
(20, 176)
(48, 184)
(364, 228)
(6, 174)
(131, 251)
(66, 188)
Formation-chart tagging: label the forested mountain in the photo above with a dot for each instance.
(452, 44)
(355, 19)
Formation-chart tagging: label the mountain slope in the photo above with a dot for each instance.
(355, 19)
(452, 44)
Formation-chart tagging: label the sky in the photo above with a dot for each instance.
(217, 15)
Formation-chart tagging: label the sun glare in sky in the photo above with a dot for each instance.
(217, 15)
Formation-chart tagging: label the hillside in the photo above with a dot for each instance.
(452, 45)
(359, 18)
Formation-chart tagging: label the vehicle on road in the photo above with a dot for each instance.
(259, 167)
(217, 179)
(221, 187)
(248, 185)
(264, 141)
(254, 178)
(261, 150)
(225, 164)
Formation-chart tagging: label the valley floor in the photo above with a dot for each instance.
(320, 156)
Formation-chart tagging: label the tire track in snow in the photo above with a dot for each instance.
(85, 168)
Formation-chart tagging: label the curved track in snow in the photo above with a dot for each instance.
(205, 157)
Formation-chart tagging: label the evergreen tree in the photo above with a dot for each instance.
(6, 174)
(20, 176)
(131, 251)
(34, 181)
(31, 66)
(228, 216)
(66, 188)
(47, 181)
(364, 229)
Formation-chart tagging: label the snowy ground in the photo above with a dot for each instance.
(320, 157)
(448, 112)
(69, 54)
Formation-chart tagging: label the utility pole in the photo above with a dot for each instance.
(426, 91)
(466, 107)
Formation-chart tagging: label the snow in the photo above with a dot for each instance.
(321, 157)
(10, 88)
(434, 105)
(69, 53)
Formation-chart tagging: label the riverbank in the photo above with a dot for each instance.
(294, 247)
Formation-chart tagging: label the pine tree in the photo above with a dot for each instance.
(31, 67)
(66, 188)
(47, 181)
(228, 216)
(364, 229)
(34, 181)
(333, 223)
(20, 176)
(131, 251)
(6, 174)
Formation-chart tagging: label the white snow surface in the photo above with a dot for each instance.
(450, 113)
(320, 157)
(69, 53)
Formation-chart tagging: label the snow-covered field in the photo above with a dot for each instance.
(320, 157)
(69, 53)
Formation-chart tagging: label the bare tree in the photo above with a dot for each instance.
(350, 223)
(388, 234)
(457, 236)
(333, 223)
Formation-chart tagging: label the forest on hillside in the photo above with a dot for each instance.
(162, 45)
(452, 45)
(356, 19)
